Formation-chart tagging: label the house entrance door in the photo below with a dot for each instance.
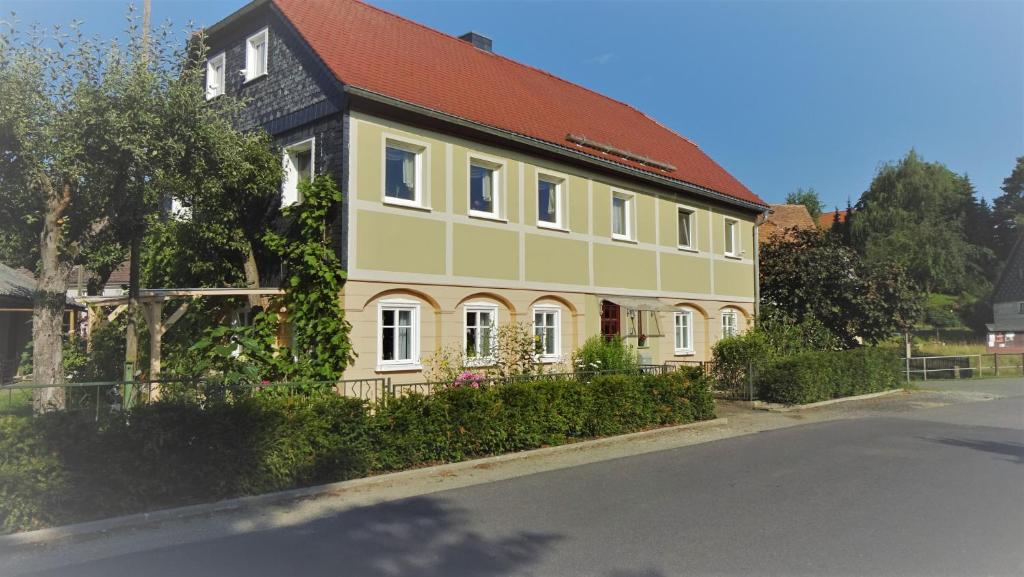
(610, 319)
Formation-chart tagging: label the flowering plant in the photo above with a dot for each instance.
(468, 379)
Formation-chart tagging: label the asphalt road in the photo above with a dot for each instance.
(937, 491)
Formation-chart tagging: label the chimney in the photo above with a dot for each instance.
(479, 40)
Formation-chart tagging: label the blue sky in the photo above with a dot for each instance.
(783, 94)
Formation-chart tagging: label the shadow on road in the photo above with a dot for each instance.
(420, 536)
(1015, 450)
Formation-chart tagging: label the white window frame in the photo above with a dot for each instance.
(396, 305)
(497, 166)
(676, 316)
(692, 215)
(549, 309)
(215, 90)
(478, 307)
(560, 204)
(727, 314)
(731, 232)
(629, 217)
(290, 183)
(250, 55)
(1020, 308)
(420, 150)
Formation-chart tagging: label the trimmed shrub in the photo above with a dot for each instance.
(33, 486)
(59, 468)
(605, 354)
(819, 376)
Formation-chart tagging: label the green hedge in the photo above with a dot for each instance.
(819, 376)
(61, 468)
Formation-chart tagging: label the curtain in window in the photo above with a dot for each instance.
(619, 216)
(684, 229)
(404, 335)
(408, 169)
(552, 201)
(261, 55)
(485, 182)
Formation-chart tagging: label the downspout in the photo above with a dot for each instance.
(761, 219)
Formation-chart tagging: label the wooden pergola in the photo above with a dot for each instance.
(151, 302)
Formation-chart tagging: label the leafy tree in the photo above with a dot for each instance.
(1008, 211)
(808, 198)
(811, 277)
(916, 214)
(82, 138)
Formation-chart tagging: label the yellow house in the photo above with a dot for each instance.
(479, 191)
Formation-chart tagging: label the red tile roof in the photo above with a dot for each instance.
(827, 219)
(369, 48)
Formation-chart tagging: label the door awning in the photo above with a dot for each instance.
(638, 303)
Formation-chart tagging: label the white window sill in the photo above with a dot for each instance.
(684, 353)
(399, 367)
(254, 78)
(733, 256)
(486, 216)
(551, 226)
(406, 204)
(626, 239)
(549, 359)
(688, 249)
(210, 97)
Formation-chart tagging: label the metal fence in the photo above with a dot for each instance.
(964, 366)
(105, 397)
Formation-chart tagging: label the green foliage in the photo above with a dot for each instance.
(819, 376)
(33, 485)
(772, 337)
(313, 284)
(808, 198)
(940, 311)
(1008, 211)
(601, 354)
(919, 214)
(811, 276)
(62, 467)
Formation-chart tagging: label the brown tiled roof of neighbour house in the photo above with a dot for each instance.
(783, 217)
(827, 219)
(380, 53)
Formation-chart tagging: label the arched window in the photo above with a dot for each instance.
(547, 331)
(481, 323)
(730, 323)
(683, 331)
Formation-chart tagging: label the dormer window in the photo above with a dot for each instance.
(256, 48)
(215, 76)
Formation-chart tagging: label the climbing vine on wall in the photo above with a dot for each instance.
(313, 277)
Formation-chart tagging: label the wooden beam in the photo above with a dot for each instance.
(116, 312)
(175, 316)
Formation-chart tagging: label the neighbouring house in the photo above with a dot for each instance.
(1006, 333)
(479, 191)
(828, 219)
(783, 218)
(16, 290)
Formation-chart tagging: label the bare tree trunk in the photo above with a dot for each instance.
(48, 307)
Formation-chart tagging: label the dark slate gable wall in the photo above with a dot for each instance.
(296, 100)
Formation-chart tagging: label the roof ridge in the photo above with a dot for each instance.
(523, 65)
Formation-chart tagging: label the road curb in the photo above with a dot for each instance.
(780, 408)
(95, 529)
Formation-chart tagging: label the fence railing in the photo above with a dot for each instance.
(964, 366)
(104, 397)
